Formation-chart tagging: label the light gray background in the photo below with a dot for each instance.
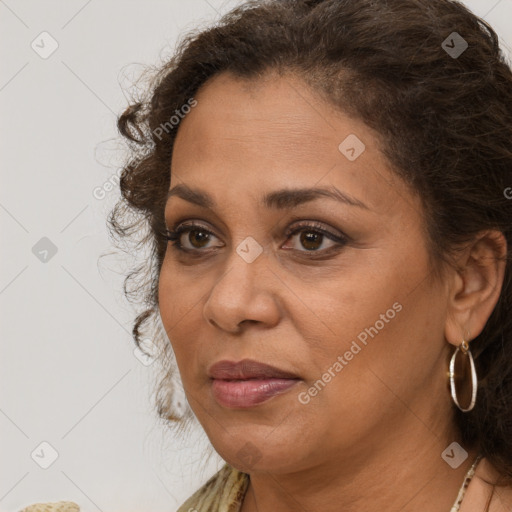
(69, 375)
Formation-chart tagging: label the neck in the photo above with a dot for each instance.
(406, 474)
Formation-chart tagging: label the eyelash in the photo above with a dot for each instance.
(173, 236)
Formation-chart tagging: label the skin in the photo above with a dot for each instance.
(372, 438)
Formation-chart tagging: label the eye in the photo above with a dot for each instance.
(197, 237)
(312, 238)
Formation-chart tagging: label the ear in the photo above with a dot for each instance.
(475, 286)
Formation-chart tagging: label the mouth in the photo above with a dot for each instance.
(248, 383)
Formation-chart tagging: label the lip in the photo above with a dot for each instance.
(247, 369)
(248, 382)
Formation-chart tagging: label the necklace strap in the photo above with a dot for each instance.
(465, 484)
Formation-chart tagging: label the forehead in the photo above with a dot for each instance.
(260, 134)
(275, 114)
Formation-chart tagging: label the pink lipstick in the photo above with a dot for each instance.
(248, 383)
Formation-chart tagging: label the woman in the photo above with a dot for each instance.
(327, 190)
(326, 187)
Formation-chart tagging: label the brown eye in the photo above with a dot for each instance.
(312, 237)
(311, 240)
(190, 237)
(198, 237)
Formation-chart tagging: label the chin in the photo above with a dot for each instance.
(256, 451)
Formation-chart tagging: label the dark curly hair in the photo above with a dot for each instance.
(444, 122)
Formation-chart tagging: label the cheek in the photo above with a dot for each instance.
(178, 305)
(335, 309)
(368, 323)
(387, 352)
(180, 290)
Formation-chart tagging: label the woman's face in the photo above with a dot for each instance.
(357, 318)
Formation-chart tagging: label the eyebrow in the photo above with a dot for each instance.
(278, 199)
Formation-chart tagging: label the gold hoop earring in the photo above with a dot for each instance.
(461, 376)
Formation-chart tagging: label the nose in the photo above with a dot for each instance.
(245, 292)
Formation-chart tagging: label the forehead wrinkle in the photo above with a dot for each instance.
(294, 141)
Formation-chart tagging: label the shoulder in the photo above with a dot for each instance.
(482, 491)
(225, 491)
(501, 499)
(59, 506)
